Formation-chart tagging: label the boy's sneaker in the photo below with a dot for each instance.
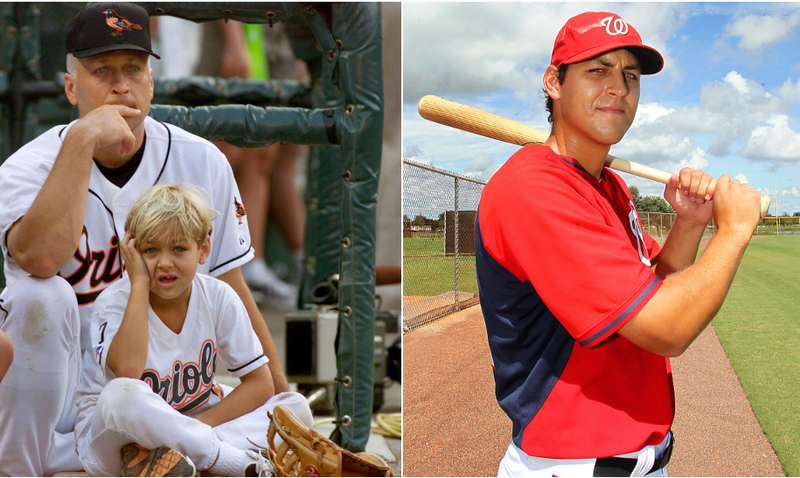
(163, 461)
(260, 466)
(268, 289)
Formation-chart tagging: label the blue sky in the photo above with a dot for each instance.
(727, 101)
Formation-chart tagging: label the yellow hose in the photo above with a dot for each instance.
(323, 421)
(389, 425)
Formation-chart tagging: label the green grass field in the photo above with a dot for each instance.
(759, 328)
(427, 271)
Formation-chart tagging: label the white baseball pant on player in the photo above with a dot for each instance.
(518, 463)
(129, 411)
(37, 395)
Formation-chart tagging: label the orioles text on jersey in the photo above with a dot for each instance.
(100, 267)
(190, 384)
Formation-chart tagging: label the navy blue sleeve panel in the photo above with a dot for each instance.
(575, 238)
(529, 346)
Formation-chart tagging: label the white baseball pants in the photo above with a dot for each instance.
(518, 463)
(129, 411)
(37, 395)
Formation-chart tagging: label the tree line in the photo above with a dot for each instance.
(650, 203)
(420, 220)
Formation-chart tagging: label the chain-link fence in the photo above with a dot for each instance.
(779, 225)
(659, 224)
(438, 242)
(439, 210)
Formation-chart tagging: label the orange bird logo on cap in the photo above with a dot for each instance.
(119, 24)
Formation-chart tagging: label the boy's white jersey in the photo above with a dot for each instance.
(171, 156)
(180, 367)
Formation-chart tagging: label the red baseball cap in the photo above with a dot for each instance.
(590, 34)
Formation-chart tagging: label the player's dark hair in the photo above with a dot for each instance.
(562, 74)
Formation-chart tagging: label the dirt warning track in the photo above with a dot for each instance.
(454, 427)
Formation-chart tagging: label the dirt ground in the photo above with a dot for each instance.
(454, 427)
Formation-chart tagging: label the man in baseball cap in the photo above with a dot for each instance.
(64, 198)
(582, 307)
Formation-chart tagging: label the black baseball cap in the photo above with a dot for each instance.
(103, 27)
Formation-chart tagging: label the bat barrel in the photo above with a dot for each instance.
(474, 120)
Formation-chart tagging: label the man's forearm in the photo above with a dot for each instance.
(44, 240)
(688, 301)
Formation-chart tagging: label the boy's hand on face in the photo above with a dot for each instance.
(134, 262)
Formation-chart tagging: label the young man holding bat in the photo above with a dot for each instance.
(583, 308)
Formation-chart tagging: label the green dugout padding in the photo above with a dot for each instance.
(341, 42)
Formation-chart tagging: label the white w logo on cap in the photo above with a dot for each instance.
(615, 26)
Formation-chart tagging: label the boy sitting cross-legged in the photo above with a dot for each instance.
(156, 334)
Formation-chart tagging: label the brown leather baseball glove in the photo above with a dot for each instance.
(304, 452)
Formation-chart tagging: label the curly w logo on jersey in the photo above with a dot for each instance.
(636, 228)
(190, 384)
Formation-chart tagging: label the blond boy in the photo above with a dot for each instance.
(156, 335)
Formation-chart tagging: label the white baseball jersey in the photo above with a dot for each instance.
(172, 156)
(179, 367)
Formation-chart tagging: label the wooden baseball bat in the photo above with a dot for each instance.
(473, 120)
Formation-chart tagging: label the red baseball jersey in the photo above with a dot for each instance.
(562, 264)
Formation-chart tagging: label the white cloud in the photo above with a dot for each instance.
(790, 91)
(649, 113)
(729, 111)
(469, 48)
(483, 166)
(775, 141)
(736, 113)
(481, 162)
(755, 32)
(792, 193)
(738, 82)
(695, 160)
(667, 152)
(415, 153)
